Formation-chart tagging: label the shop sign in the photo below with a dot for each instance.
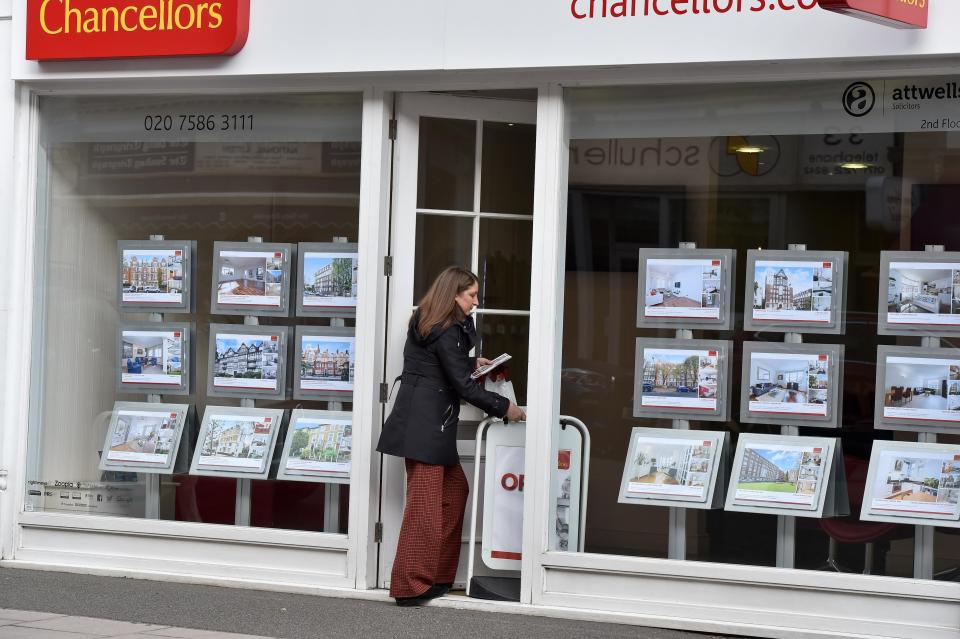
(902, 14)
(507, 499)
(100, 29)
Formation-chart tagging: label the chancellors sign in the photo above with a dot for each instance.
(97, 29)
(903, 14)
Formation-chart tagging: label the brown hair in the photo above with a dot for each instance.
(439, 305)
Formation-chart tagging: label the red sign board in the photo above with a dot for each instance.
(902, 14)
(98, 29)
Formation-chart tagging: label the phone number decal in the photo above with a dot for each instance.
(199, 122)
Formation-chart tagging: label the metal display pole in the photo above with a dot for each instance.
(245, 486)
(152, 482)
(331, 495)
(923, 538)
(786, 525)
(677, 535)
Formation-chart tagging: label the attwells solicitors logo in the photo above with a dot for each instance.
(97, 29)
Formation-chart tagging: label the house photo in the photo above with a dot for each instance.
(776, 378)
(244, 274)
(329, 279)
(920, 290)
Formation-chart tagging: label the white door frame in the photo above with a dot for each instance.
(410, 107)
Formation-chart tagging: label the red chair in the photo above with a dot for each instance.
(849, 529)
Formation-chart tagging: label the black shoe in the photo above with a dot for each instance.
(443, 588)
(413, 601)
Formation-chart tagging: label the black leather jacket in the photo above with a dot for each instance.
(436, 375)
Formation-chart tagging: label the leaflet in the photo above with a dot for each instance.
(663, 466)
(685, 379)
(924, 294)
(792, 291)
(789, 383)
(917, 483)
(780, 474)
(683, 288)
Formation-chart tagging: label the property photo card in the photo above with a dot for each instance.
(791, 383)
(144, 437)
(664, 467)
(684, 379)
(918, 389)
(251, 278)
(919, 293)
(681, 288)
(325, 363)
(156, 276)
(327, 279)
(795, 291)
(247, 361)
(785, 475)
(910, 482)
(236, 442)
(155, 358)
(318, 447)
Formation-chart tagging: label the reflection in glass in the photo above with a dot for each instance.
(447, 167)
(507, 334)
(442, 241)
(504, 269)
(506, 178)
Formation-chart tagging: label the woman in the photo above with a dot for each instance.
(422, 428)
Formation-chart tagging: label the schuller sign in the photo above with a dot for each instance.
(98, 29)
(903, 14)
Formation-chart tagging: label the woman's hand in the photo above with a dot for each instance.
(483, 361)
(515, 413)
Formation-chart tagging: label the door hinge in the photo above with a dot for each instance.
(388, 265)
(392, 130)
(378, 532)
(384, 392)
(3, 479)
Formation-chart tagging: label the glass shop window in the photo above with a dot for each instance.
(169, 345)
(751, 167)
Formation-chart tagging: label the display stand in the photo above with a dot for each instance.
(331, 496)
(244, 496)
(152, 503)
(574, 437)
(923, 539)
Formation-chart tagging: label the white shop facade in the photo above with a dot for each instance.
(537, 144)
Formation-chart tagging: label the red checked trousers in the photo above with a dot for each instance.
(429, 548)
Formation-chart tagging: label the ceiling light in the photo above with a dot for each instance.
(751, 149)
(854, 166)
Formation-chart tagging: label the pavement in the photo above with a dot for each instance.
(50, 605)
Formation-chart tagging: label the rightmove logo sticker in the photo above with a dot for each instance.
(859, 99)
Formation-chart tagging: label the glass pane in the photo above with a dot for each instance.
(632, 192)
(506, 182)
(442, 241)
(507, 334)
(295, 505)
(295, 178)
(448, 159)
(504, 269)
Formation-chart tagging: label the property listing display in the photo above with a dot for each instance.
(670, 465)
(329, 280)
(143, 437)
(779, 473)
(914, 481)
(788, 383)
(152, 276)
(919, 386)
(152, 358)
(679, 378)
(318, 446)
(923, 294)
(325, 363)
(792, 291)
(683, 288)
(236, 441)
(251, 278)
(246, 360)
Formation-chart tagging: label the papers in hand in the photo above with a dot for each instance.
(483, 370)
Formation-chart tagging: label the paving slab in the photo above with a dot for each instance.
(25, 615)
(187, 633)
(19, 632)
(90, 626)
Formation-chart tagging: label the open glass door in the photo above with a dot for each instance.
(464, 169)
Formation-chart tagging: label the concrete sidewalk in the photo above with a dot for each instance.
(38, 604)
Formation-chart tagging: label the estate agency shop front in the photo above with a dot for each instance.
(717, 238)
